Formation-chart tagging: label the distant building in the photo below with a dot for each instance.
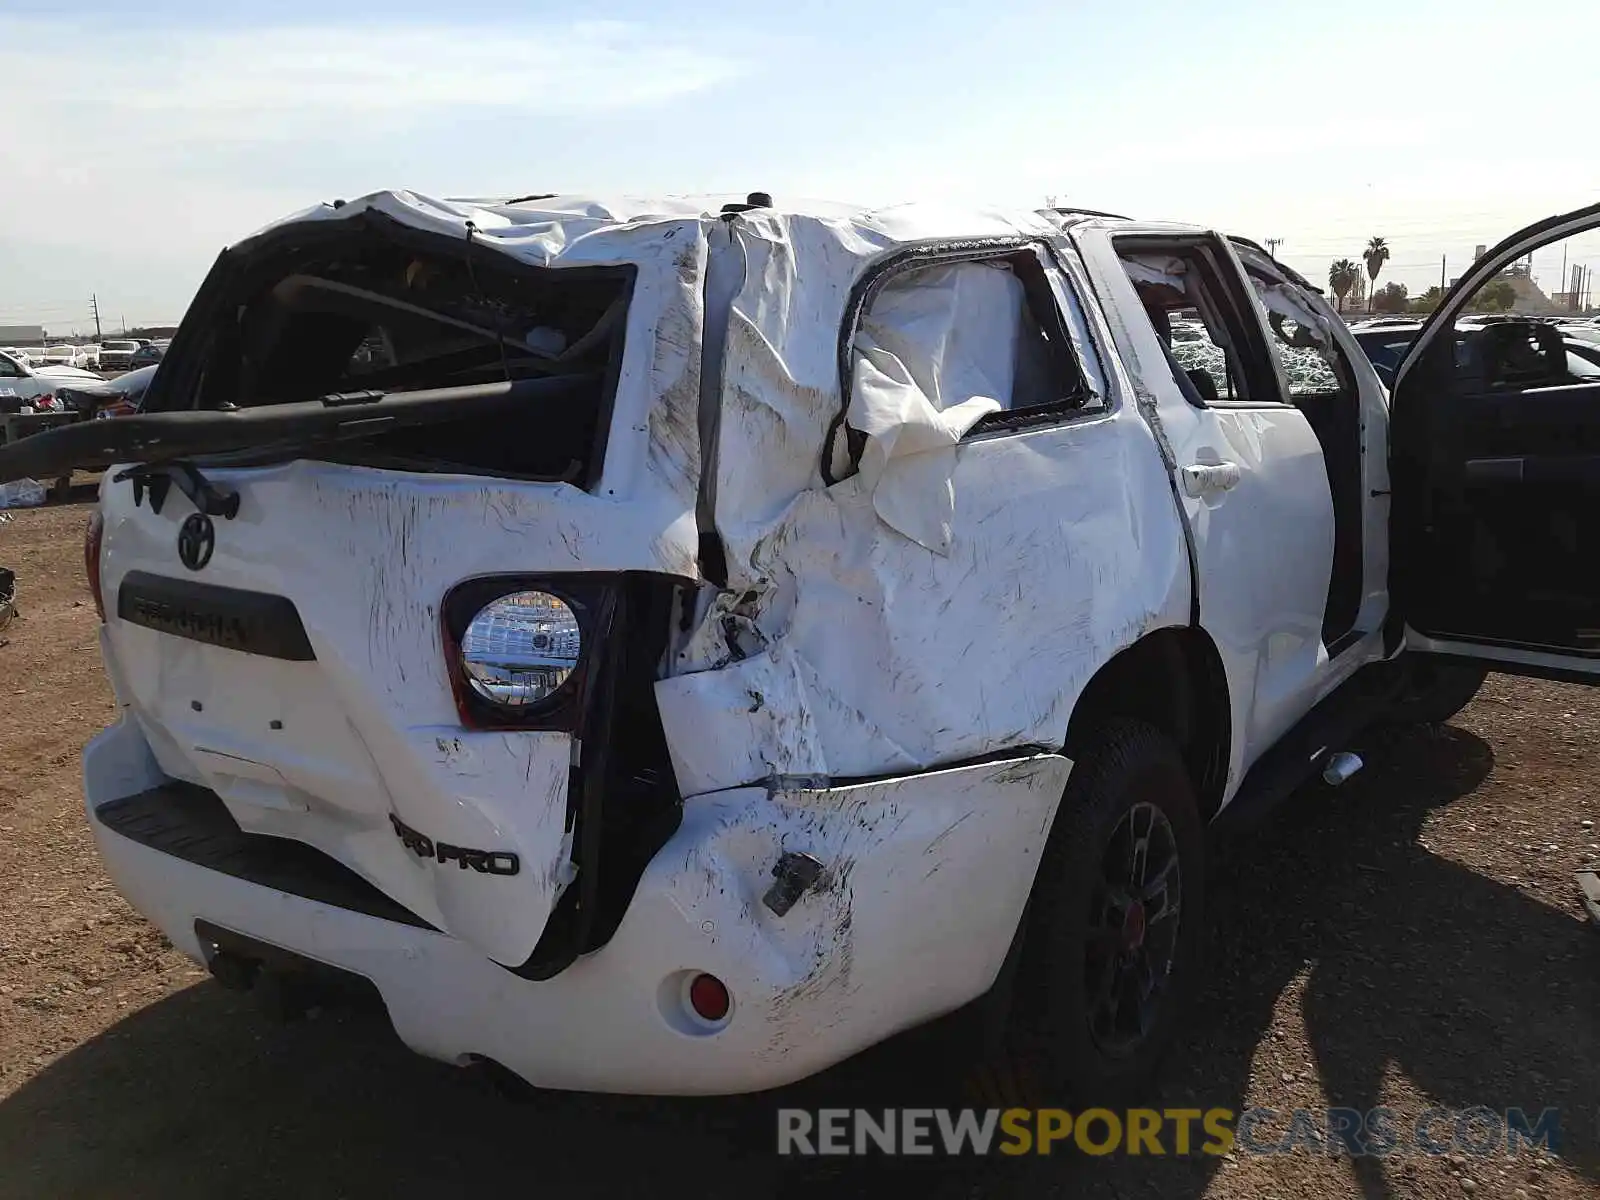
(21, 335)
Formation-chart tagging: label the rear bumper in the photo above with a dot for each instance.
(924, 880)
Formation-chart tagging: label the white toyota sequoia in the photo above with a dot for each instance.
(667, 647)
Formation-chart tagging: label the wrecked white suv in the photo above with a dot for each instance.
(669, 647)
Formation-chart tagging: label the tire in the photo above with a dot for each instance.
(1067, 1031)
(1435, 691)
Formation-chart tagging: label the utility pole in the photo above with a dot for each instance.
(1441, 274)
(94, 307)
(1272, 246)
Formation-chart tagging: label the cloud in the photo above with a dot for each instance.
(250, 84)
(154, 144)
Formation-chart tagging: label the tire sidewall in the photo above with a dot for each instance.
(1128, 764)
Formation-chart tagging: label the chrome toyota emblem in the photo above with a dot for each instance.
(197, 538)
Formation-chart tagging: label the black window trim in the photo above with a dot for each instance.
(1237, 312)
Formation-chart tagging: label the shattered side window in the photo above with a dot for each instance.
(1312, 361)
(1199, 353)
(1197, 324)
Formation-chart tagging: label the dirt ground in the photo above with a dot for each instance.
(1411, 940)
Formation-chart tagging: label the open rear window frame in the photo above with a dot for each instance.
(1236, 309)
(233, 280)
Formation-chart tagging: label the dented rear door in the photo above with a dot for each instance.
(288, 647)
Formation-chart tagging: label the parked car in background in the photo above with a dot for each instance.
(115, 355)
(108, 397)
(24, 386)
(1386, 346)
(30, 403)
(1580, 351)
(68, 355)
(147, 355)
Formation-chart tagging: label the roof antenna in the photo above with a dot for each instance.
(499, 327)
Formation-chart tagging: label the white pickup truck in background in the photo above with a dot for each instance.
(67, 354)
(117, 354)
(23, 385)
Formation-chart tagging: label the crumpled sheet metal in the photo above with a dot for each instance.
(843, 647)
(653, 451)
(877, 655)
(907, 893)
(840, 645)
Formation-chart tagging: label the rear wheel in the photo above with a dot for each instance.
(1113, 944)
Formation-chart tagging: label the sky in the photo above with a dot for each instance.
(143, 146)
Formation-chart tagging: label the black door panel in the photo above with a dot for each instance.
(1497, 494)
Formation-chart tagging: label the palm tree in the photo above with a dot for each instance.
(1342, 276)
(1377, 253)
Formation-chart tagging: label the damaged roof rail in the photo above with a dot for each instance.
(1074, 211)
(1294, 275)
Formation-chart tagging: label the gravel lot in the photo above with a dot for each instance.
(1413, 939)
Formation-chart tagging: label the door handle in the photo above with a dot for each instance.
(1209, 479)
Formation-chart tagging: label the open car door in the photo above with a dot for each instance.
(1495, 469)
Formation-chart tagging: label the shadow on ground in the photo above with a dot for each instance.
(1475, 991)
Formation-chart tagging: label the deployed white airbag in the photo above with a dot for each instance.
(935, 353)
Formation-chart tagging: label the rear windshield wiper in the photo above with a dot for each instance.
(215, 501)
(157, 479)
(180, 438)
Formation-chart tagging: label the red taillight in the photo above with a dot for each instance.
(709, 998)
(91, 559)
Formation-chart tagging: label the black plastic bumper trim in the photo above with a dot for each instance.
(191, 823)
(250, 622)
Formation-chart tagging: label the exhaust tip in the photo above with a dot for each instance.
(1340, 767)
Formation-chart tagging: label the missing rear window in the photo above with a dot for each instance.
(373, 307)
